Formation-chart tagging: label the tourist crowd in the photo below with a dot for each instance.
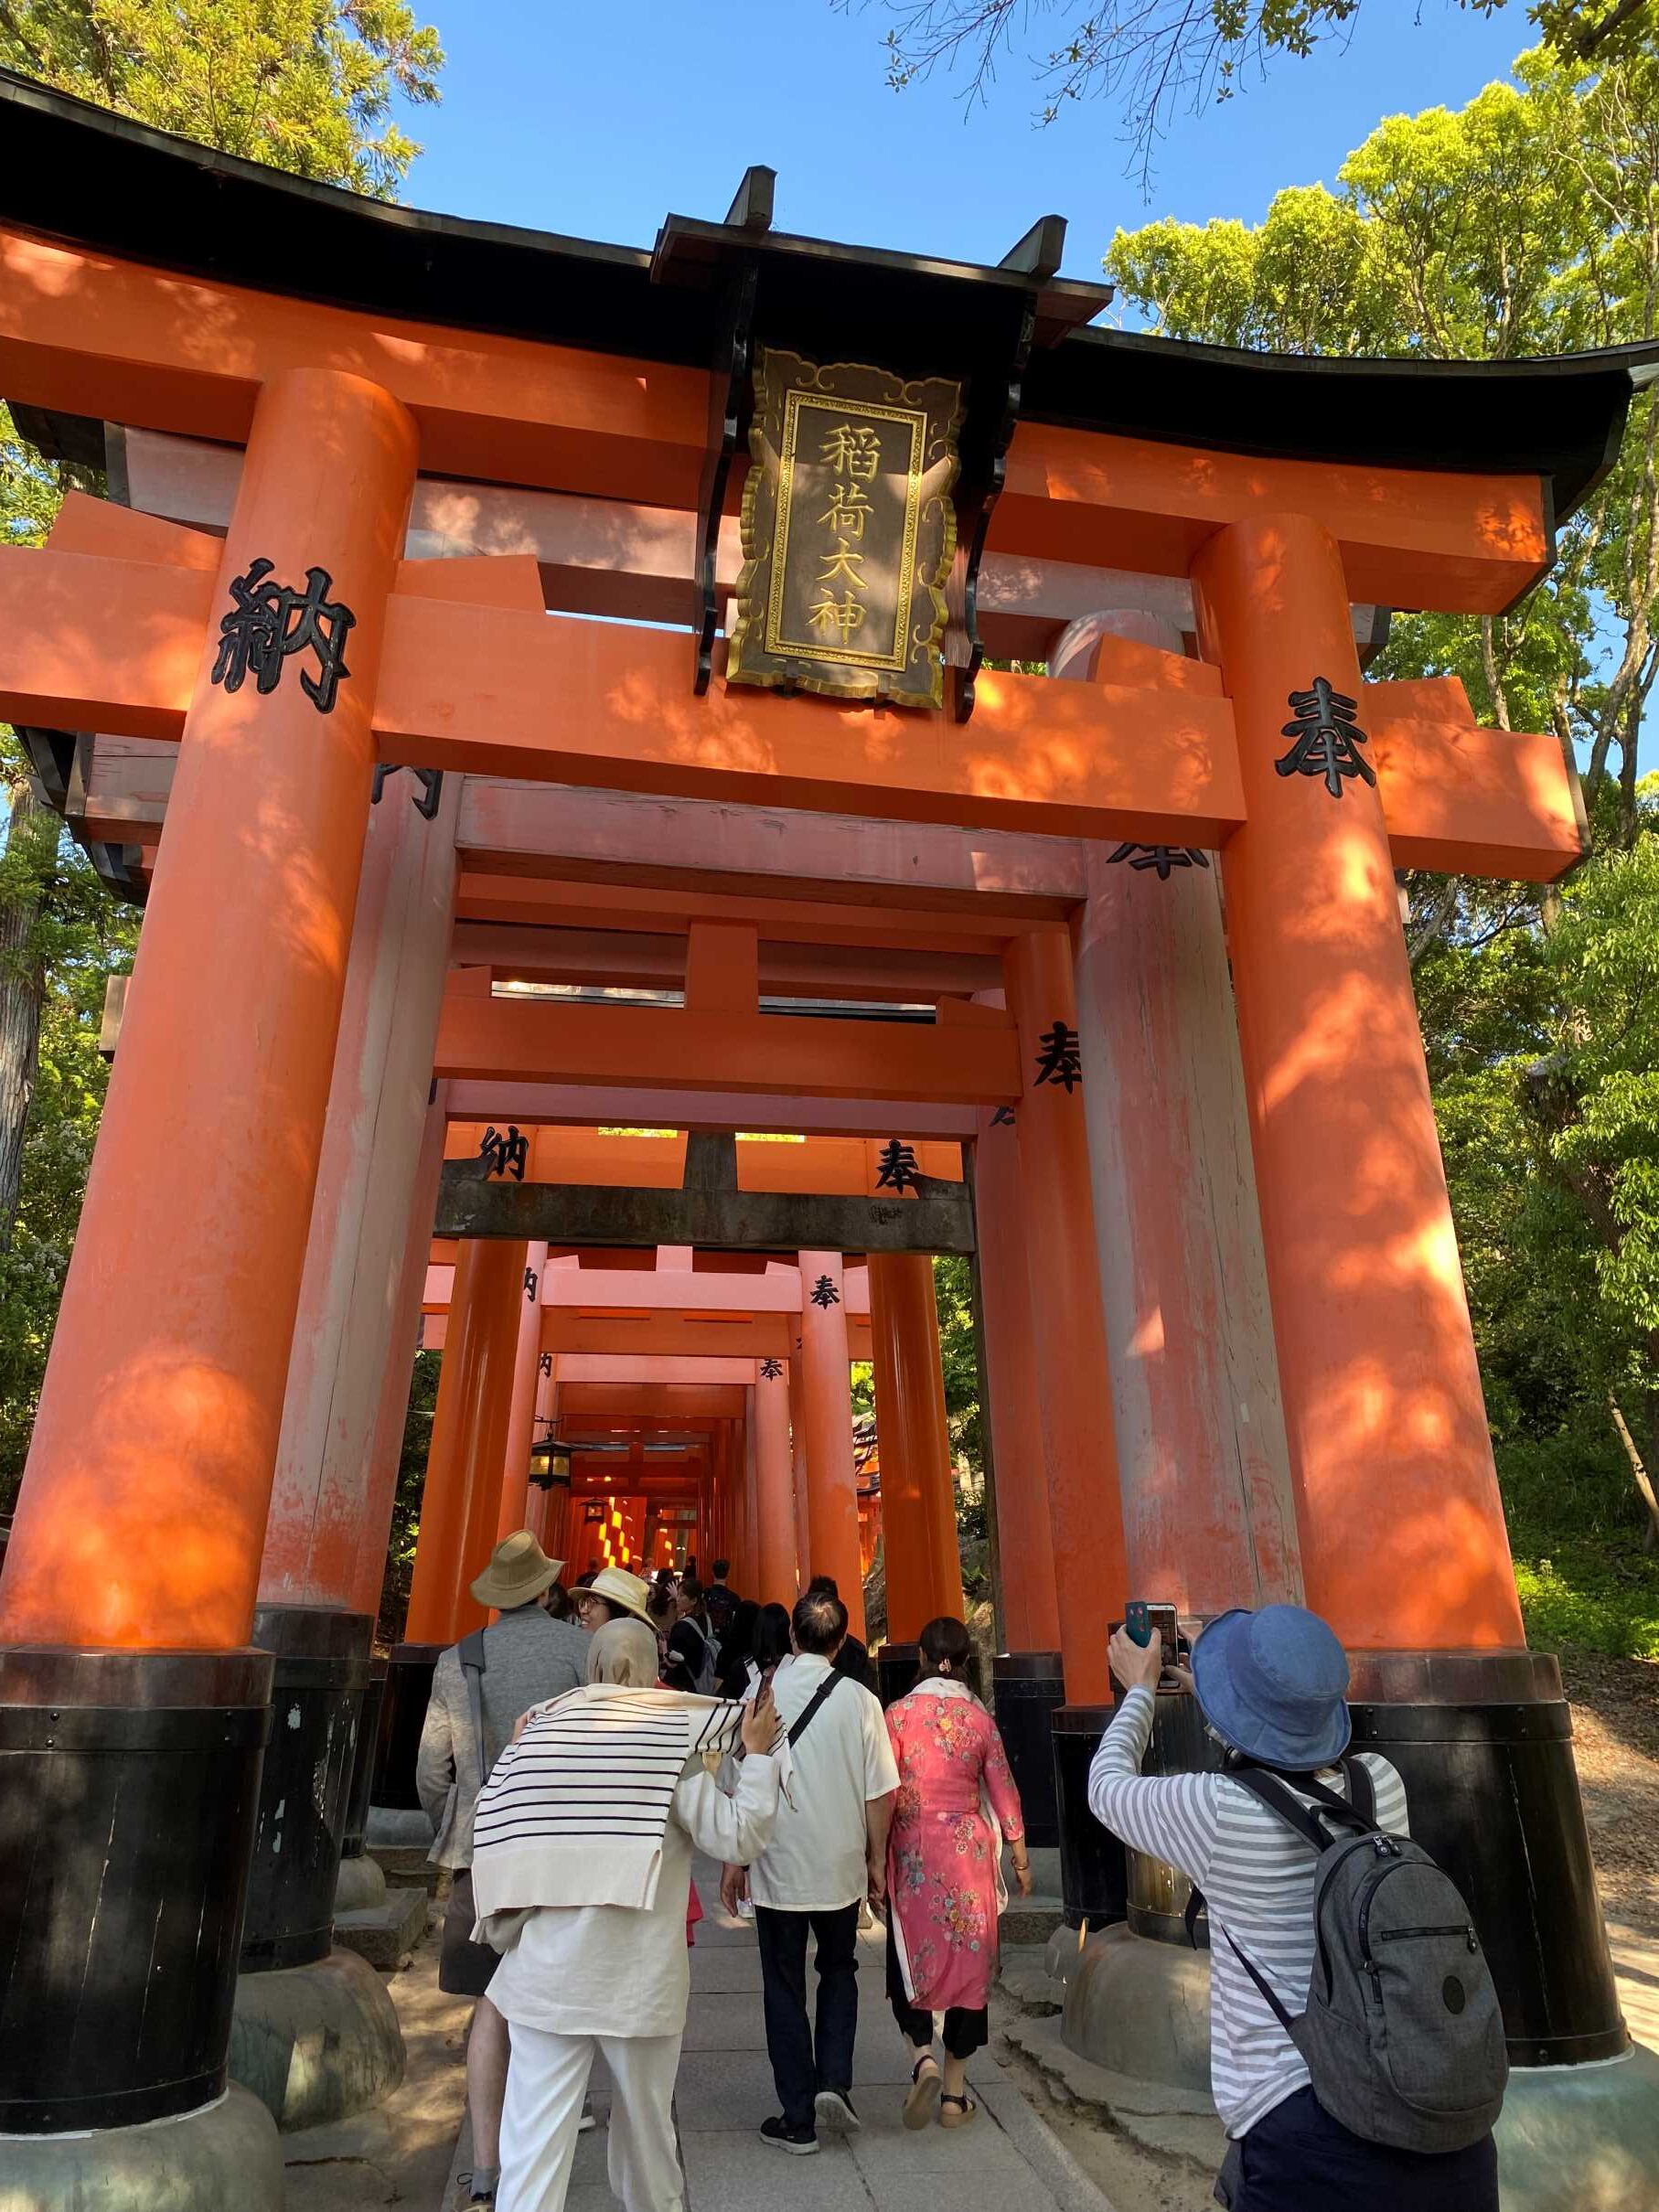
(579, 1751)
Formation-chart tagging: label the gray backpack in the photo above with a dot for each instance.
(1402, 2036)
(703, 1673)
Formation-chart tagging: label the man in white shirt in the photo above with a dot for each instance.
(828, 1853)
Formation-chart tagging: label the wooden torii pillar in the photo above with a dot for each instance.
(918, 1492)
(180, 1344)
(331, 1500)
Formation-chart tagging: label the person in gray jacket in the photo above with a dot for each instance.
(480, 1688)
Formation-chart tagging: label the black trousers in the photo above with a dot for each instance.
(967, 2029)
(803, 2063)
(1297, 2159)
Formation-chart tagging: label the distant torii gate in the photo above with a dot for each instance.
(1253, 502)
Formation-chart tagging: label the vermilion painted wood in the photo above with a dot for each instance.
(918, 1493)
(849, 1167)
(506, 1039)
(1208, 1505)
(386, 1448)
(329, 1505)
(1069, 1328)
(827, 1429)
(505, 691)
(121, 342)
(461, 1503)
(520, 1421)
(775, 1491)
(1402, 1530)
(174, 1327)
(1030, 1616)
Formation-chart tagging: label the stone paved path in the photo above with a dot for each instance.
(1006, 2161)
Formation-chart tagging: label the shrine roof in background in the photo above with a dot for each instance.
(77, 174)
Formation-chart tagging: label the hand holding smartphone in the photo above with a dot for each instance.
(1143, 1620)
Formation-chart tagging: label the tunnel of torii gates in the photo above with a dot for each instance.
(1110, 941)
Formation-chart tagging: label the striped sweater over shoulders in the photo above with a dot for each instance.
(1258, 1878)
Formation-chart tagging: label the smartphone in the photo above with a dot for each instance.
(1144, 1619)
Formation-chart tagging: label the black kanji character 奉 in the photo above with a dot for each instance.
(1328, 737)
(1161, 857)
(825, 1294)
(897, 1168)
(269, 623)
(771, 1369)
(507, 1154)
(1060, 1060)
(530, 1286)
(1003, 1118)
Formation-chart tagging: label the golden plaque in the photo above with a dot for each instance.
(848, 532)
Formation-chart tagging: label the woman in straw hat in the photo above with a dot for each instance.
(582, 1869)
(613, 1595)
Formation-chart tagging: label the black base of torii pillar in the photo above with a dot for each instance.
(129, 1787)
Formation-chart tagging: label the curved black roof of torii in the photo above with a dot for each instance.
(77, 173)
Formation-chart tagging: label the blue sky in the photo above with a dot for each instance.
(598, 121)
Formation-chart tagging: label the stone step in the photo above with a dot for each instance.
(1023, 1978)
(1032, 1920)
(385, 1935)
(407, 1863)
(1179, 2125)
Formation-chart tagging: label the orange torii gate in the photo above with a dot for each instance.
(1253, 503)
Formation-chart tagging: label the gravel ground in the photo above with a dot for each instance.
(1615, 1704)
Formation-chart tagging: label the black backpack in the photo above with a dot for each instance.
(1402, 2034)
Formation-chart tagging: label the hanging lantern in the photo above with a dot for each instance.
(549, 1462)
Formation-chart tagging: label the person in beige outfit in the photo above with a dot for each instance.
(479, 1688)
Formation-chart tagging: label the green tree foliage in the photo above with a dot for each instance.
(958, 1357)
(1151, 57)
(1525, 223)
(303, 85)
(406, 1503)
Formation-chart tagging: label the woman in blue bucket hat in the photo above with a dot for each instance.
(1272, 1686)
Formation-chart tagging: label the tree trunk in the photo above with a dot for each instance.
(1639, 1473)
(22, 995)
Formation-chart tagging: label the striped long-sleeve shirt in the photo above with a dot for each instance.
(1258, 1878)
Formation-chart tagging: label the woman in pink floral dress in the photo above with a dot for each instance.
(956, 1803)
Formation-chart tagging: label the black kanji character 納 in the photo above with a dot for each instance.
(897, 1168)
(1003, 1118)
(771, 1369)
(269, 623)
(825, 1294)
(530, 1286)
(1060, 1060)
(1328, 737)
(1161, 857)
(507, 1154)
(544, 1364)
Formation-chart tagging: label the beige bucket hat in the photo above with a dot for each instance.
(518, 1570)
(624, 1593)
